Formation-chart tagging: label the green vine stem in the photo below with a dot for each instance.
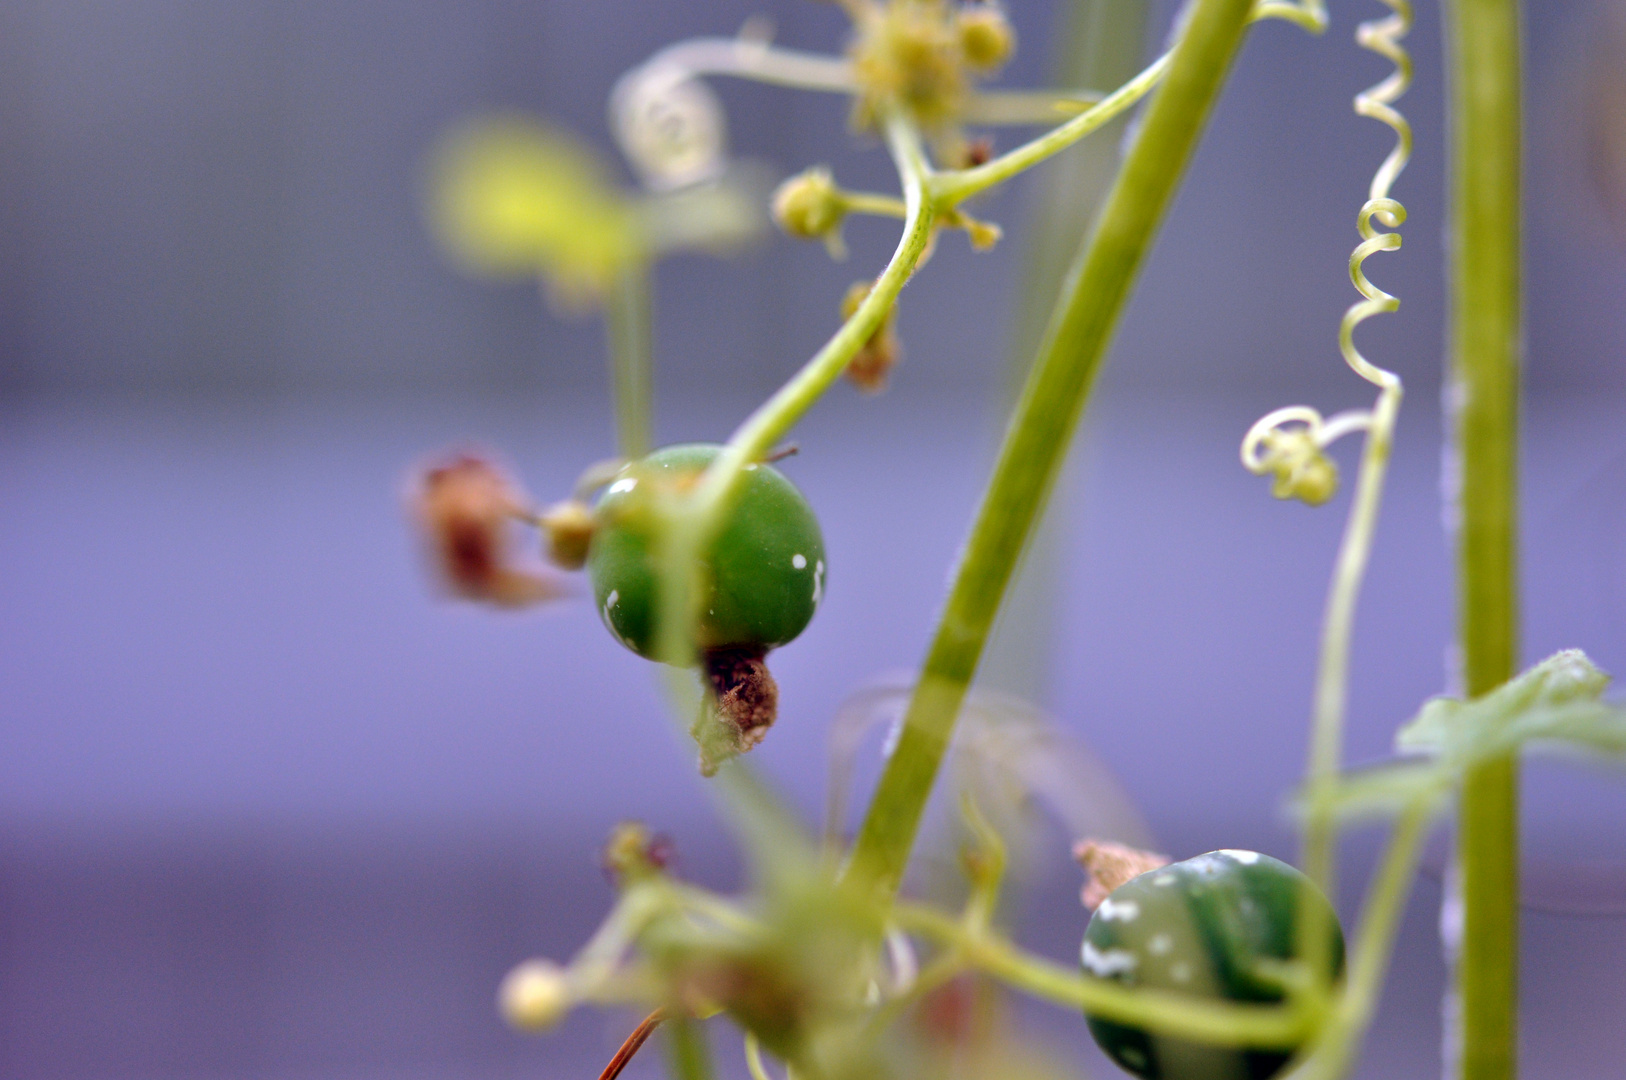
(1041, 427)
(627, 319)
(1176, 1014)
(1483, 406)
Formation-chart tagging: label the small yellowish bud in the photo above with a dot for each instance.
(534, 996)
(1301, 470)
(986, 37)
(983, 234)
(809, 205)
(568, 528)
(1316, 480)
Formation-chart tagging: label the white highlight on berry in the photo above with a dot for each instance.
(1110, 962)
(1118, 910)
(622, 485)
(799, 561)
(1160, 944)
(1246, 858)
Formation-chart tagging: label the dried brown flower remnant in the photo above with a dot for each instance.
(1109, 865)
(633, 853)
(875, 360)
(465, 509)
(746, 705)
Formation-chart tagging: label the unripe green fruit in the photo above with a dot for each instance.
(1197, 927)
(763, 574)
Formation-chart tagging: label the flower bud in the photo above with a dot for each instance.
(1301, 470)
(986, 37)
(534, 996)
(568, 529)
(809, 206)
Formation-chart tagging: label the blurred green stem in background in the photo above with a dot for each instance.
(1099, 43)
(627, 320)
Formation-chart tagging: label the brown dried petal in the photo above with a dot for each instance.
(465, 508)
(1109, 865)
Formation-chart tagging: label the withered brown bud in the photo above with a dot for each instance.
(1109, 865)
(568, 528)
(745, 703)
(465, 509)
(634, 852)
(976, 152)
(874, 361)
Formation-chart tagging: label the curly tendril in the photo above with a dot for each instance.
(1288, 443)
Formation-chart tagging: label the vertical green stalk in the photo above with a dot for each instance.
(627, 319)
(1483, 398)
(1042, 426)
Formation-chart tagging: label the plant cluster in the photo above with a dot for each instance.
(704, 558)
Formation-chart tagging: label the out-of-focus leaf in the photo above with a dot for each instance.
(719, 216)
(1007, 753)
(1381, 791)
(1555, 700)
(1553, 706)
(514, 198)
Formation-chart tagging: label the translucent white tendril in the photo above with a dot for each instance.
(1289, 442)
(671, 126)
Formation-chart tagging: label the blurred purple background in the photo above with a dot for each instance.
(269, 808)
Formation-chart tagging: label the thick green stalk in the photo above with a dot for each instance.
(1042, 426)
(1484, 402)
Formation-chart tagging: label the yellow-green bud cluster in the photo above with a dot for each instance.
(986, 38)
(1301, 470)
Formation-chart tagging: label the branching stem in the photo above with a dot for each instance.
(1041, 429)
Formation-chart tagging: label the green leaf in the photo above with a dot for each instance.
(1554, 701)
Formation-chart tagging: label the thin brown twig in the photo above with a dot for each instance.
(636, 1040)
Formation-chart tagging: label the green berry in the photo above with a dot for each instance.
(1198, 927)
(765, 569)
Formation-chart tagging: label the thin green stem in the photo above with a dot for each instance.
(1380, 921)
(1483, 399)
(1027, 107)
(688, 1053)
(1164, 1012)
(1042, 427)
(951, 188)
(627, 320)
(867, 202)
